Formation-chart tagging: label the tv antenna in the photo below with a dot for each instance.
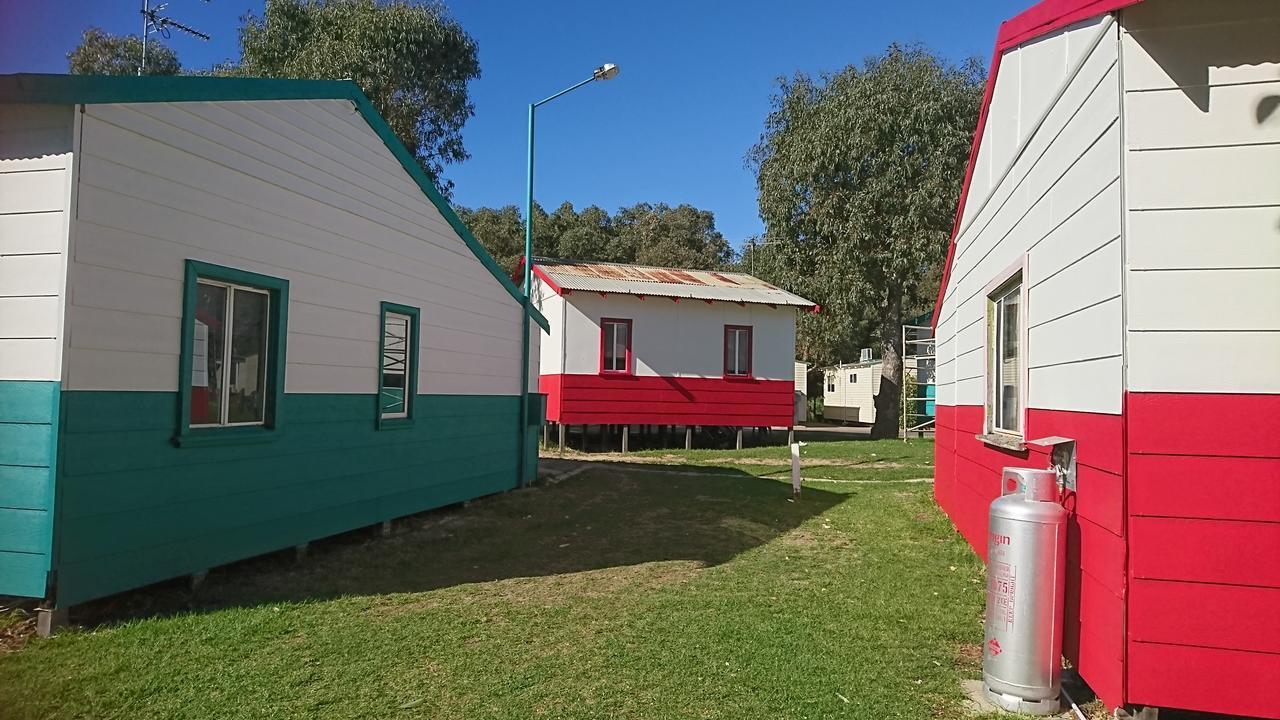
(154, 22)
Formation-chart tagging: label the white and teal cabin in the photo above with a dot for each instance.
(235, 316)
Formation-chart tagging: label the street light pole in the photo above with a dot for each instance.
(608, 71)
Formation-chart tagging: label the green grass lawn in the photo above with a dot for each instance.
(692, 589)
(822, 459)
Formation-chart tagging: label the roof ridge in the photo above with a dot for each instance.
(542, 260)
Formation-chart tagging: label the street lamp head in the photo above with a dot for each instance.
(607, 71)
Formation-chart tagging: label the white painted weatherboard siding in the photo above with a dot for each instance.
(684, 339)
(1029, 77)
(552, 308)
(1202, 142)
(1058, 206)
(35, 195)
(298, 189)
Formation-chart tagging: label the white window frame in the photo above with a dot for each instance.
(608, 342)
(410, 345)
(224, 406)
(740, 334)
(1014, 278)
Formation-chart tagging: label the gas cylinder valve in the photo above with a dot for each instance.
(1062, 458)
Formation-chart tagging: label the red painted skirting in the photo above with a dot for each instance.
(1208, 679)
(631, 399)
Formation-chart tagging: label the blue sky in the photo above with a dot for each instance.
(674, 126)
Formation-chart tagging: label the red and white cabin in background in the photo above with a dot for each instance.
(640, 345)
(1114, 278)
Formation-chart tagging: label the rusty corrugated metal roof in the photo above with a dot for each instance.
(646, 280)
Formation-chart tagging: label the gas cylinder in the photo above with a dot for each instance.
(1026, 558)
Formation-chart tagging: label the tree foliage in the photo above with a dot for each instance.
(412, 59)
(858, 176)
(101, 53)
(681, 236)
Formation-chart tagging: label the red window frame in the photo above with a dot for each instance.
(604, 322)
(750, 350)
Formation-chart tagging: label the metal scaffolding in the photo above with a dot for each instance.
(918, 372)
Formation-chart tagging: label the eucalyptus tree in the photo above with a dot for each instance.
(101, 53)
(683, 236)
(858, 175)
(499, 230)
(412, 59)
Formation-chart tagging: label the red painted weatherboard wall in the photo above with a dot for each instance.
(652, 400)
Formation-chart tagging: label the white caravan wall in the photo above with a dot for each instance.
(1202, 126)
(1058, 206)
(852, 401)
(684, 339)
(298, 189)
(35, 194)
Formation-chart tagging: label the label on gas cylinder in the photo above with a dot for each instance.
(1003, 586)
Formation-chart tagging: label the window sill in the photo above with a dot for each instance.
(739, 378)
(216, 437)
(1001, 440)
(403, 423)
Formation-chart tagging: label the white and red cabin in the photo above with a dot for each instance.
(641, 345)
(1114, 278)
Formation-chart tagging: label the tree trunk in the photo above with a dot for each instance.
(889, 399)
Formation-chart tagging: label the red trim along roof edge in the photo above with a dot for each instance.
(1040, 19)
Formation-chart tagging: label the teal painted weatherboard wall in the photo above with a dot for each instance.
(28, 455)
(134, 509)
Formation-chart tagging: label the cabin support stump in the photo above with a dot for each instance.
(738, 442)
(560, 432)
(198, 578)
(688, 437)
(385, 530)
(791, 435)
(626, 437)
(300, 552)
(50, 620)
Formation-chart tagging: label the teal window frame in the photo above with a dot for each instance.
(411, 382)
(278, 321)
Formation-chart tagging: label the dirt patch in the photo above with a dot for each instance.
(813, 538)
(726, 459)
(754, 530)
(817, 462)
(16, 631)
(552, 590)
(969, 657)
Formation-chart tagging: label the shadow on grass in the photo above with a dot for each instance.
(605, 516)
